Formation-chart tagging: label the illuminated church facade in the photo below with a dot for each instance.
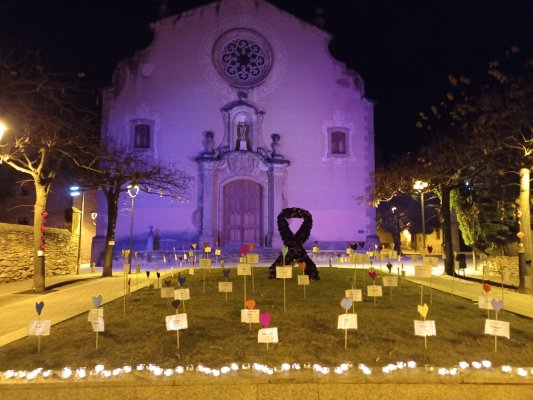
(248, 100)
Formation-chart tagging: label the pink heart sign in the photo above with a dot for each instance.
(264, 319)
(372, 275)
(497, 305)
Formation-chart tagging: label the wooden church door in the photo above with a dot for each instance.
(242, 212)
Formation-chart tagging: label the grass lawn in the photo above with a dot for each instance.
(307, 330)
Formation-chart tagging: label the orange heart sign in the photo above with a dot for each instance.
(301, 266)
(250, 304)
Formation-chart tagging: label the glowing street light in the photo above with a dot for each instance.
(420, 186)
(133, 191)
(3, 128)
(75, 191)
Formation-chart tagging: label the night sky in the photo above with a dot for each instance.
(404, 49)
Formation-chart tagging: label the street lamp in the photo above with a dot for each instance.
(420, 186)
(75, 191)
(94, 215)
(133, 191)
(3, 128)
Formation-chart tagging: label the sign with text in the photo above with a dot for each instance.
(425, 328)
(244, 269)
(354, 294)
(217, 252)
(97, 324)
(225, 287)
(390, 281)
(250, 316)
(252, 258)
(267, 335)
(205, 263)
(284, 272)
(423, 271)
(347, 321)
(176, 322)
(485, 302)
(39, 328)
(374, 291)
(497, 328)
(182, 294)
(167, 292)
(431, 261)
(303, 280)
(95, 313)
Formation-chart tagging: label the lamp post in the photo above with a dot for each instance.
(133, 191)
(3, 128)
(420, 186)
(75, 191)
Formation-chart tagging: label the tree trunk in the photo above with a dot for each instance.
(39, 270)
(525, 226)
(112, 213)
(447, 231)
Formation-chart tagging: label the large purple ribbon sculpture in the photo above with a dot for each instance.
(295, 241)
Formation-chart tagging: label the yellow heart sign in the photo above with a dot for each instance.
(423, 310)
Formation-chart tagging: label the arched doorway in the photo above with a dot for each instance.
(242, 212)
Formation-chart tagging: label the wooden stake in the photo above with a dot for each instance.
(244, 291)
(96, 340)
(284, 297)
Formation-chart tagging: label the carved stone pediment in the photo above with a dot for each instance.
(242, 163)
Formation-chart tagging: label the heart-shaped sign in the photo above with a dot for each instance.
(148, 274)
(225, 272)
(166, 282)
(39, 307)
(158, 275)
(346, 303)
(486, 287)
(97, 301)
(423, 310)
(250, 304)
(351, 279)
(497, 305)
(389, 267)
(244, 250)
(372, 275)
(301, 266)
(264, 319)
(175, 304)
(284, 250)
(430, 249)
(181, 280)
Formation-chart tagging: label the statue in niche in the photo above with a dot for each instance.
(243, 139)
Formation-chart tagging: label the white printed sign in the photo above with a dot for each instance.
(423, 271)
(347, 321)
(182, 294)
(167, 292)
(217, 252)
(497, 328)
(425, 328)
(284, 272)
(244, 269)
(374, 291)
(176, 322)
(94, 313)
(97, 324)
(485, 302)
(207, 249)
(205, 263)
(431, 261)
(390, 281)
(267, 335)
(225, 287)
(303, 280)
(354, 294)
(315, 250)
(250, 316)
(252, 258)
(39, 328)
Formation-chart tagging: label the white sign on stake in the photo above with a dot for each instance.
(485, 302)
(39, 328)
(244, 269)
(497, 328)
(303, 280)
(374, 291)
(284, 272)
(94, 313)
(354, 294)
(267, 335)
(425, 328)
(225, 287)
(97, 324)
(250, 316)
(431, 261)
(347, 321)
(167, 292)
(423, 271)
(390, 281)
(252, 258)
(182, 294)
(176, 322)
(205, 263)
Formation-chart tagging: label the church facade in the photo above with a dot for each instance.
(248, 100)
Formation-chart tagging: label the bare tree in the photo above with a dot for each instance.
(45, 115)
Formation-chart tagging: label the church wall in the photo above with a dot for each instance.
(307, 93)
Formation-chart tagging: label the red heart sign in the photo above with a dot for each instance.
(372, 275)
(487, 287)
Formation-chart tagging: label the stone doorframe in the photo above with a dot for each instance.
(216, 172)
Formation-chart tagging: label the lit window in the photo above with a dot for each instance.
(337, 143)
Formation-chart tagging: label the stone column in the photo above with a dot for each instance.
(208, 200)
(276, 193)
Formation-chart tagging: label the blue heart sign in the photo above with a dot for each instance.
(39, 307)
(97, 301)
